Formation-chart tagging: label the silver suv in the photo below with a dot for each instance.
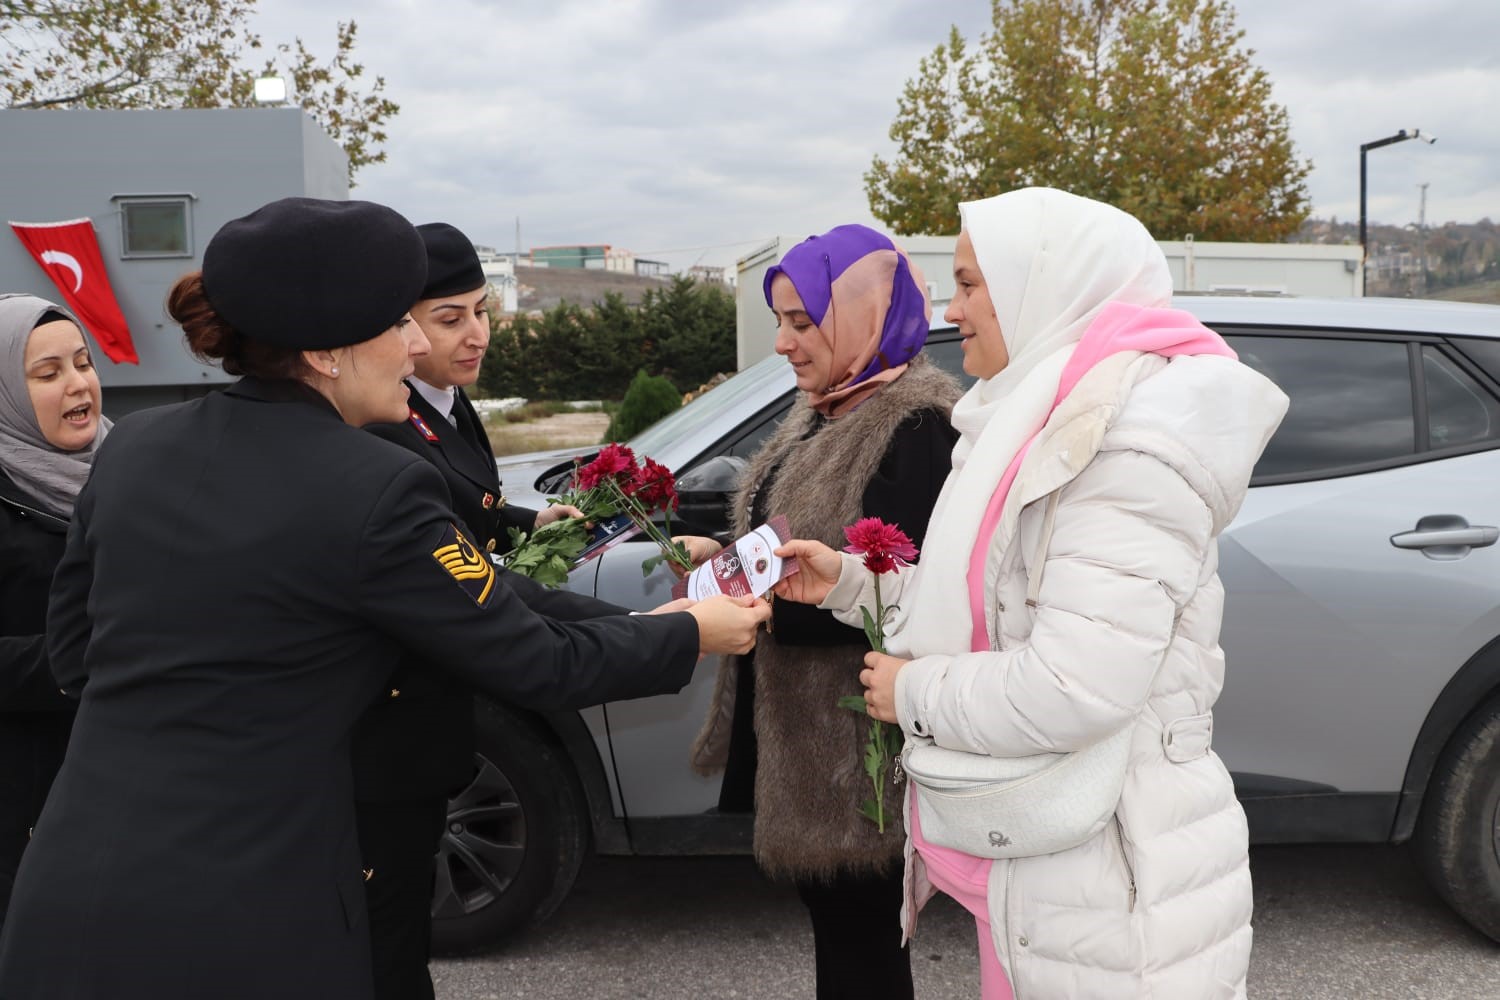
(1363, 695)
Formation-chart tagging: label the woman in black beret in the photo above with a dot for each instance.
(415, 747)
(242, 574)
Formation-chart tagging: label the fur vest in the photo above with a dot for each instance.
(810, 777)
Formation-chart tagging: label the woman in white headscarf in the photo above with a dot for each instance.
(50, 425)
(1144, 427)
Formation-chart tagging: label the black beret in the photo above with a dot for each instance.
(452, 264)
(313, 274)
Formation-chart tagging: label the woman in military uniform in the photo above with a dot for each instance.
(415, 747)
(242, 574)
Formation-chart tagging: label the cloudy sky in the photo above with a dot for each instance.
(691, 130)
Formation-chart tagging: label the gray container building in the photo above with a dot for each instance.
(157, 185)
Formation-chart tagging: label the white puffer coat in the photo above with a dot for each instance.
(1151, 467)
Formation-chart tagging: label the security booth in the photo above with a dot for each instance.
(107, 209)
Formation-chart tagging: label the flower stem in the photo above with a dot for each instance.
(638, 514)
(877, 728)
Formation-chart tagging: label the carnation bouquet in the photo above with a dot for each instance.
(613, 486)
(884, 548)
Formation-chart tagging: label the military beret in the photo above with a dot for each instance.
(312, 274)
(452, 264)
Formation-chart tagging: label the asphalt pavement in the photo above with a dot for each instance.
(1331, 923)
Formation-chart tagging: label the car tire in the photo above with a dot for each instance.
(1458, 836)
(515, 839)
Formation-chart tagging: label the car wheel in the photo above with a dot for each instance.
(515, 839)
(1458, 837)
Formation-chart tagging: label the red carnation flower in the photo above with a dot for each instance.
(613, 459)
(883, 546)
(654, 486)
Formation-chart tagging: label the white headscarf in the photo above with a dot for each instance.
(46, 473)
(1050, 260)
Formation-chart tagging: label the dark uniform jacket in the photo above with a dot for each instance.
(417, 741)
(242, 574)
(34, 715)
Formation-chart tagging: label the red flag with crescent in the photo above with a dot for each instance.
(69, 253)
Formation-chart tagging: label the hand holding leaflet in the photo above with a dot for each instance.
(749, 567)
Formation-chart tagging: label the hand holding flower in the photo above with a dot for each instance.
(883, 548)
(700, 549)
(639, 492)
(555, 512)
(611, 485)
(879, 679)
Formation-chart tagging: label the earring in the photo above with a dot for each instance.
(334, 372)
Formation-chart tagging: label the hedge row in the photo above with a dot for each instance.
(684, 332)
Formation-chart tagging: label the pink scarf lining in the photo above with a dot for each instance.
(1118, 327)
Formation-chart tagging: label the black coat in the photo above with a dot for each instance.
(34, 716)
(242, 574)
(417, 741)
(31, 543)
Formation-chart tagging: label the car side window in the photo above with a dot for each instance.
(1460, 411)
(1351, 402)
(1483, 351)
(948, 354)
(749, 443)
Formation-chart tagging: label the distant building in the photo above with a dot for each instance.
(1394, 262)
(597, 257)
(1263, 268)
(704, 272)
(617, 260)
(156, 185)
(500, 271)
(585, 256)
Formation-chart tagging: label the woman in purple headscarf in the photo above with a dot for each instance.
(872, 439)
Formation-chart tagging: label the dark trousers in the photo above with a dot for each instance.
(398, 841)
(856, 923)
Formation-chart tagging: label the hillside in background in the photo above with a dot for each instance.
(539, 289)
(1454, 260)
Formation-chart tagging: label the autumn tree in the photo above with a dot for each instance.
(181, 54)
(1149, 105)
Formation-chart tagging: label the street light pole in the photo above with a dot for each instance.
(1365, 147)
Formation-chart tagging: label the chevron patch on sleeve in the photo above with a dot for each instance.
(470, 568)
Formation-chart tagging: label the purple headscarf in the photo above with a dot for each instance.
(869, 302)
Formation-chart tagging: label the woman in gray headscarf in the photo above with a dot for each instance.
(50, 425)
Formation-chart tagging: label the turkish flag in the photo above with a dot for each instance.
(69, 253)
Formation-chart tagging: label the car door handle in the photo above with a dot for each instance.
(1474, 537)
(1446, 536)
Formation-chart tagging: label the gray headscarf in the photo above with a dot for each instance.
(45, 472)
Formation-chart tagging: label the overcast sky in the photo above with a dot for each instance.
(691, 130)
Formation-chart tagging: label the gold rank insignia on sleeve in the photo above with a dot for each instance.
(469, 567)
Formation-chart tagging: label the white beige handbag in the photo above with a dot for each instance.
(1016, 807)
